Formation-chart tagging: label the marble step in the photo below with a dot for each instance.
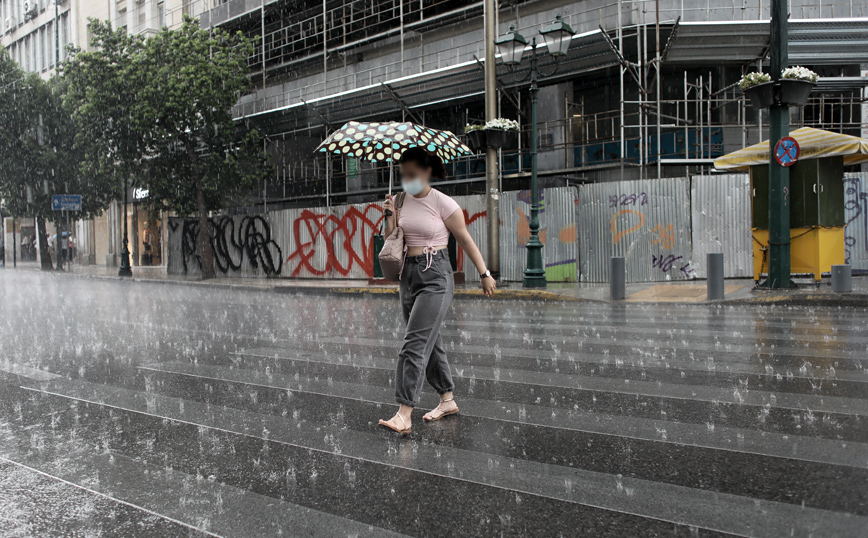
(732, 461)
(201, 505)
(833, 418)
(306, 459)
(845, 383)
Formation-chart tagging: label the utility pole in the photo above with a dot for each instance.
(491, 169)
(779, 176)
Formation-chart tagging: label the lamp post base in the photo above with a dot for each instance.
(535, 274)
(125, 269)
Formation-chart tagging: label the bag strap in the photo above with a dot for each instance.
(399, 201)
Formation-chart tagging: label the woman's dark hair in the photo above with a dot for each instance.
(424, 159)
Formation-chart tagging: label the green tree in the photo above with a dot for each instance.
(38, 156)
(101, 85)
(198, 160)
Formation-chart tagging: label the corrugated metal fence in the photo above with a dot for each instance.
(647, 222)
(720, 209)
(856, 216)
(663, 227)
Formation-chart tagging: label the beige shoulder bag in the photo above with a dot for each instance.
(392, 254)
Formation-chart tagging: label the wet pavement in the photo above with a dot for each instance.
(149, 409)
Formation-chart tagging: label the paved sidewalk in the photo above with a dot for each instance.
(738, 291)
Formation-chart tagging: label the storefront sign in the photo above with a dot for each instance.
(140, 194)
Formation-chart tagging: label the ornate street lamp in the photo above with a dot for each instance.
(125, 268)
(511, 45)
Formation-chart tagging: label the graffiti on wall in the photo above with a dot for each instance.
(339, 242)
(646, 222)
(344, 241)
(251, 241)
(856, 230)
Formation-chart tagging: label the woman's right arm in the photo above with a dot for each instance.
(390, 221)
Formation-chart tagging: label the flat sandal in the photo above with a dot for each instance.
(442, 412)
(407, 429)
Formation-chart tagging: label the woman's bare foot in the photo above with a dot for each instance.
(447, 407)
(402, 421)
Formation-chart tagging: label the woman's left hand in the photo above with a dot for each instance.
(489, 286)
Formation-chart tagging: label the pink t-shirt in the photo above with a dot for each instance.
(422, 219)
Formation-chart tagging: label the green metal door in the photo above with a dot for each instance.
(831, 191)
(804, 207)
(759, 179)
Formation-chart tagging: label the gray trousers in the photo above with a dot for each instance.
(425, 299)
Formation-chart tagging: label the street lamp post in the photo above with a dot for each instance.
(511, 45)
(125, 269)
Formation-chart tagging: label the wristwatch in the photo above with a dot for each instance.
(485, 274)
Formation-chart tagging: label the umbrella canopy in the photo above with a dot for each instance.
(813, 144)
(385, 142)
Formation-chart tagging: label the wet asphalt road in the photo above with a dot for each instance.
(141, 409)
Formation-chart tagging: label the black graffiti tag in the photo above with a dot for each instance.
(671, 261)
(252, 238)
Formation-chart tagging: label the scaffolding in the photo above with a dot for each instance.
(673, 68)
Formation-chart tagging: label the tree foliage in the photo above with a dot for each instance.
(131, 111)
(197, 157)
(102, 85)
(38, 154)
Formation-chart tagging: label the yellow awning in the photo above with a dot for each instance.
(813, 144)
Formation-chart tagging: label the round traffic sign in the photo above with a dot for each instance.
(787, 151)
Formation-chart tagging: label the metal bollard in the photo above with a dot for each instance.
(842, 279)
(617, 278)
(714, 263)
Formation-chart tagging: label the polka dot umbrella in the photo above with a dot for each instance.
(385, 142)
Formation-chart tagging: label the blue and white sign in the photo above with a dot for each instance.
(66, 202)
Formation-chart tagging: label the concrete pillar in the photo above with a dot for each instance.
(714, 263)
(842, 279)
(617, 278)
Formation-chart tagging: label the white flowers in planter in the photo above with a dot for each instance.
(753, 79)
(799, 73)
(503, 124)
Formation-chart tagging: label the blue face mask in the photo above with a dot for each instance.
(413, 186)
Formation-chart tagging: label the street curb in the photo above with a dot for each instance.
(804, 299)
(850, 300)
(503, 294)
(383, 292)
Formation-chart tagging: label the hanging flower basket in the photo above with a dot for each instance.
(795, 92)
(502, 133)
(761, 95)
(796, 84)
(501, 138)
(476, 139)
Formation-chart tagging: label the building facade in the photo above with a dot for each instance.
(648, 89)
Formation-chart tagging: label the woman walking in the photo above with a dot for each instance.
(427, 217)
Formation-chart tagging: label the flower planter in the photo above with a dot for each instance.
(762, 95)
(477, 140)
(794, 92)
(499, 138)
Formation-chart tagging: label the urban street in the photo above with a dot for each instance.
(165, 409)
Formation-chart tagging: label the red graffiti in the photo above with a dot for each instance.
(341, 236)
(312, 231)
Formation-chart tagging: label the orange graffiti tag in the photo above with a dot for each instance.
(614, 222)
(568, 234)
(524, 230)
(666, 236)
